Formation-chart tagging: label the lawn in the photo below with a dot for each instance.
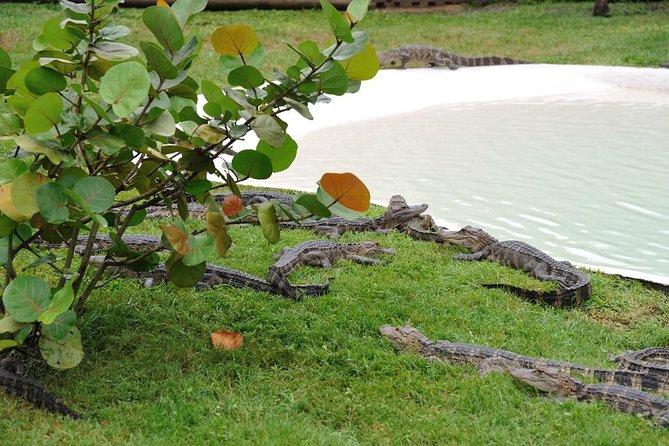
(317, 371)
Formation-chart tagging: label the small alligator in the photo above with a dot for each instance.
(218, 275)
(410, 340)
(104, 241)
(394, 217)
(574, 284)
(14, 382)
(427, 55)
(321, 253)
(623, 398)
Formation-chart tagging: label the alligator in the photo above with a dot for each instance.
(104, 241)
(15, 382)
(424, 228)
(321, 253)
(574, 285)
(410, 340)
(394, 217)
(420, 54)
(218, 275)
(623, 398)
(653, 360)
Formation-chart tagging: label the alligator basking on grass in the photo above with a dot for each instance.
(14, 382)
(217, 275)
(394, 217)
(574, 285)
(322, 253)
(410, 340)
(434, 57)
(623, 398)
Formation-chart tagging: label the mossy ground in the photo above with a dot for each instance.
(317, 371)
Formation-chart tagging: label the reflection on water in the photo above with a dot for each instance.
(583, 181)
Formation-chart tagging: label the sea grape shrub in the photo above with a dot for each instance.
(103, 130)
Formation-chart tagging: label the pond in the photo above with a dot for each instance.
(582, 178)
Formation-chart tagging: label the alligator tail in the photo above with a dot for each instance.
(33, 392)
(485, 61)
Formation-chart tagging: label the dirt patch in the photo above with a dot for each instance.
(9, 38)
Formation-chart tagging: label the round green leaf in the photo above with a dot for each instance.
(26, 297)
(24, 192)
(200, 250)
(267, 128)
(43, 80)
(125, 86)
(253, 164)
(52, 203)
(44, 113)
(182, 275)
(313, 205)
(334, 80)
(62, 299)
(282, 157)
(61, 326)
(97, 193)
(197, 186)
(268, 222)
(246, 76)
(362, 66)
(64, 353)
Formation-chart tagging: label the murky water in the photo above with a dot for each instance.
(587, 182)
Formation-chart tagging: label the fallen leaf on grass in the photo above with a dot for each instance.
(228, 340)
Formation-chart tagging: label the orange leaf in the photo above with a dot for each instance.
(232, 205)
(162, 3)
(347, 190)
(177, 238)
(228, 340)
(234, 40)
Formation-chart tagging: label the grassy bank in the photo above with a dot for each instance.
(317, 371)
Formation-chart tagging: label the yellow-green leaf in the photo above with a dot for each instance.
(363, 66)
(234, 40)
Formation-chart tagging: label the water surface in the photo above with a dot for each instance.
(583, 181)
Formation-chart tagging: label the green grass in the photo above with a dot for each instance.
(317, 371)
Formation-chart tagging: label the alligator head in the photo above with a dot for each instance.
(390, 59)
(370, 248)
(547, 379)
(399, 213)
(404, 339)
(470, 237)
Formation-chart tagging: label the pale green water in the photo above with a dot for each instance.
(587, 182)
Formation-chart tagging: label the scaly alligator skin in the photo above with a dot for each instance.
(104, 241)
(218, 275)
(427, 55)
(321, 253)
(408, 339)
(653, 360)
(14, 382)
(393, 218)
(623, 398)
(574, 284)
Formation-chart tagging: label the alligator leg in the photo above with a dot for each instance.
(316, 258)
(480, 255)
